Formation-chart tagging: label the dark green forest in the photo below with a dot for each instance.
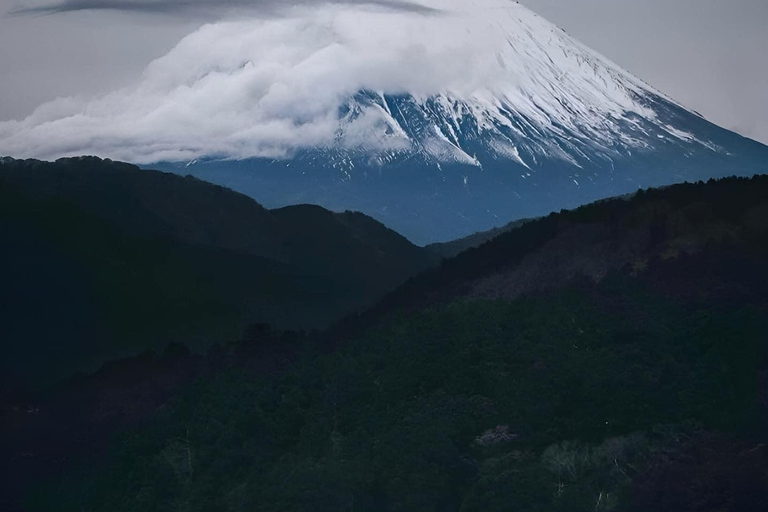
(611, 357)
(552, 403)
(103, 260)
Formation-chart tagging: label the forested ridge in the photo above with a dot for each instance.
(608, 358)
(102, 259)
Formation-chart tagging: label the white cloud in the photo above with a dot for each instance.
(265, 87)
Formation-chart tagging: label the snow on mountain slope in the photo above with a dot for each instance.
(440, 121)
(265, 88)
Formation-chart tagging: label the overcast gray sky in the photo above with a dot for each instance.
(711, 55)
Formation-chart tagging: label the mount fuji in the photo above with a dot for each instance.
(441, 120)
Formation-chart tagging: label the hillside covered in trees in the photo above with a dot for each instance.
(608, 358)
(720, 227)
(102, 259)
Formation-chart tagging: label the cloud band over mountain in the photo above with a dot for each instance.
(205, 6)
(267, 86)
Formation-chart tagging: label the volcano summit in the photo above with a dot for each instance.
(440, 120)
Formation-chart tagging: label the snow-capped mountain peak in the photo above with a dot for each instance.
(327, 75)
(440, 120)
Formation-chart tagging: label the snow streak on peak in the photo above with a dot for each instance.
(357, 78)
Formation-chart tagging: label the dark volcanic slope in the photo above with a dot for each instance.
(101, 259)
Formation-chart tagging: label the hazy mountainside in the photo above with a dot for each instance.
(455, 247)
(439, 120)
(102, 259)
(550, 124)
(608, 358)
(429, 200)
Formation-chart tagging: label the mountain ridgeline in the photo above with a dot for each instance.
(102, 259)
(550, 124)
(437, 198)
(170, 344)
(500, 115)
(608, 358)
